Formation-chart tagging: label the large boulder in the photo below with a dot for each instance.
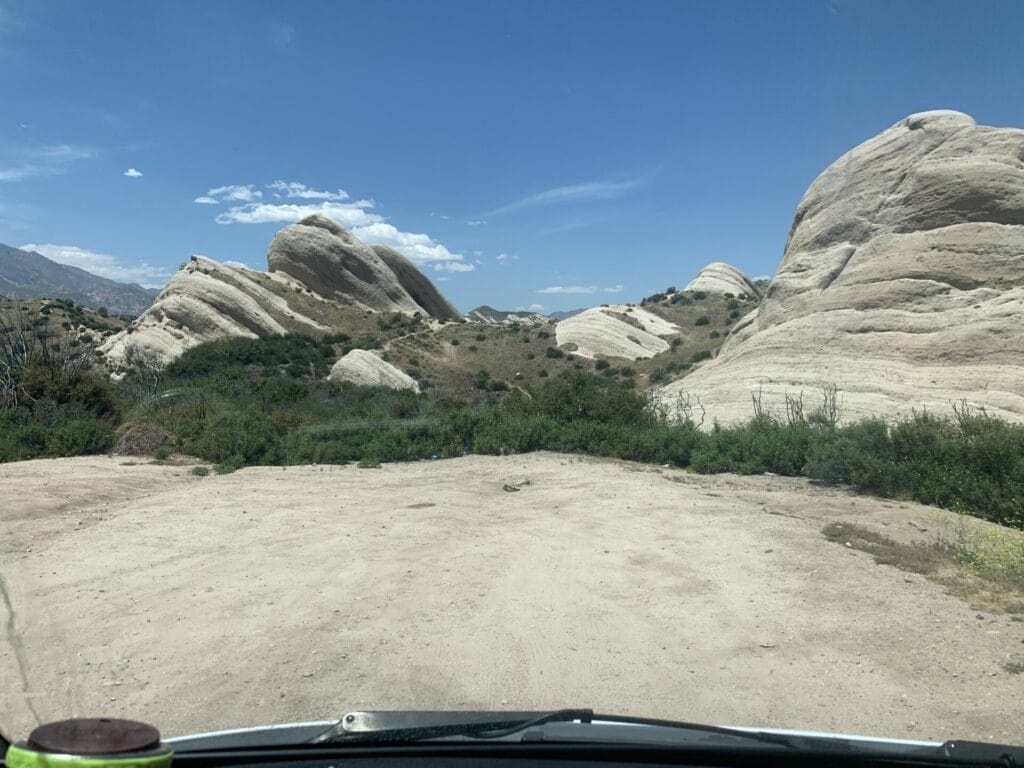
(719, 277)
(365, 368)
(902, 283)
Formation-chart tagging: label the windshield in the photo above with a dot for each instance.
(661, 359)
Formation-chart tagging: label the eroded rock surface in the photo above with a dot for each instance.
(902, 282)
(615, 331)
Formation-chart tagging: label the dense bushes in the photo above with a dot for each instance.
(972, 463)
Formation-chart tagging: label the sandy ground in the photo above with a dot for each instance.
(271, 595)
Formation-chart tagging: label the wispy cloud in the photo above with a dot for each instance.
(295, 189)
(102, 264)
(476, 222)
(358, 216)
(42, 161)
(570, 289)
(240, 192)
(588, 190)
(567, 289)
(132, 173)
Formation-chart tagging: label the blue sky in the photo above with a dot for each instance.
(555, 154)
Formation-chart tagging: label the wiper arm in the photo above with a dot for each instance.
(421, 726)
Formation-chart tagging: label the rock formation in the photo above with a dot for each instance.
(719, 277)
(328, 259)
(313, 263)
(614, 331)
(902, 282)
(368, 370)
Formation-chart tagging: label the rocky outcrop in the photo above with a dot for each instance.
(902, 282)
(614, 331)
(719, 277)
(328, 259)
(204, 300)
(368, 370)
(313, 264)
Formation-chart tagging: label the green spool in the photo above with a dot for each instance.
(91, 743)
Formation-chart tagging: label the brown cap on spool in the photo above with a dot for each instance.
(94, 736)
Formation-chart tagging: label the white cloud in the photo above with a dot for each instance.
(569, 289)
(357, 216)
(501, 257)
(589, 190)
(347, 214)
(237, 265)
(240, 192)
(295, 189)
(43, 161)
(536, 307)
(132, 173)
(614, 289)
(476, 222)
(102, 264)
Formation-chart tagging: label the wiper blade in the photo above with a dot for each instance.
(421, 726)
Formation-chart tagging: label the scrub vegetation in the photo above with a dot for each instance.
(240, 402)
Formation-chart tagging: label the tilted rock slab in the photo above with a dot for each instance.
(902, 283)
(615, 331)
(207, 300)
(203, 301)
(328, 259)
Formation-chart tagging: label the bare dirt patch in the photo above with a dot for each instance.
(272, 594)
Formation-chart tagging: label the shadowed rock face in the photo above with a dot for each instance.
(416, 284)
(326, 258)
(902, 282)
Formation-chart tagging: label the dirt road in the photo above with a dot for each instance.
(271, 595)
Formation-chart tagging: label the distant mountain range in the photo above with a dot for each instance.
(563, 315)
(29, 275)
(486, 314)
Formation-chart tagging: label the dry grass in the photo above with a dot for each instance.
(949, 563)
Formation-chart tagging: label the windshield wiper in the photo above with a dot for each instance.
(422, 726)
(564, 725)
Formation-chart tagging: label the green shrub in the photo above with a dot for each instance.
(455, 342)
(554, 353)
(702, 320)
(703, 354)
(200, 471)
(162, 453)
(699, 295)
(601, 364)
